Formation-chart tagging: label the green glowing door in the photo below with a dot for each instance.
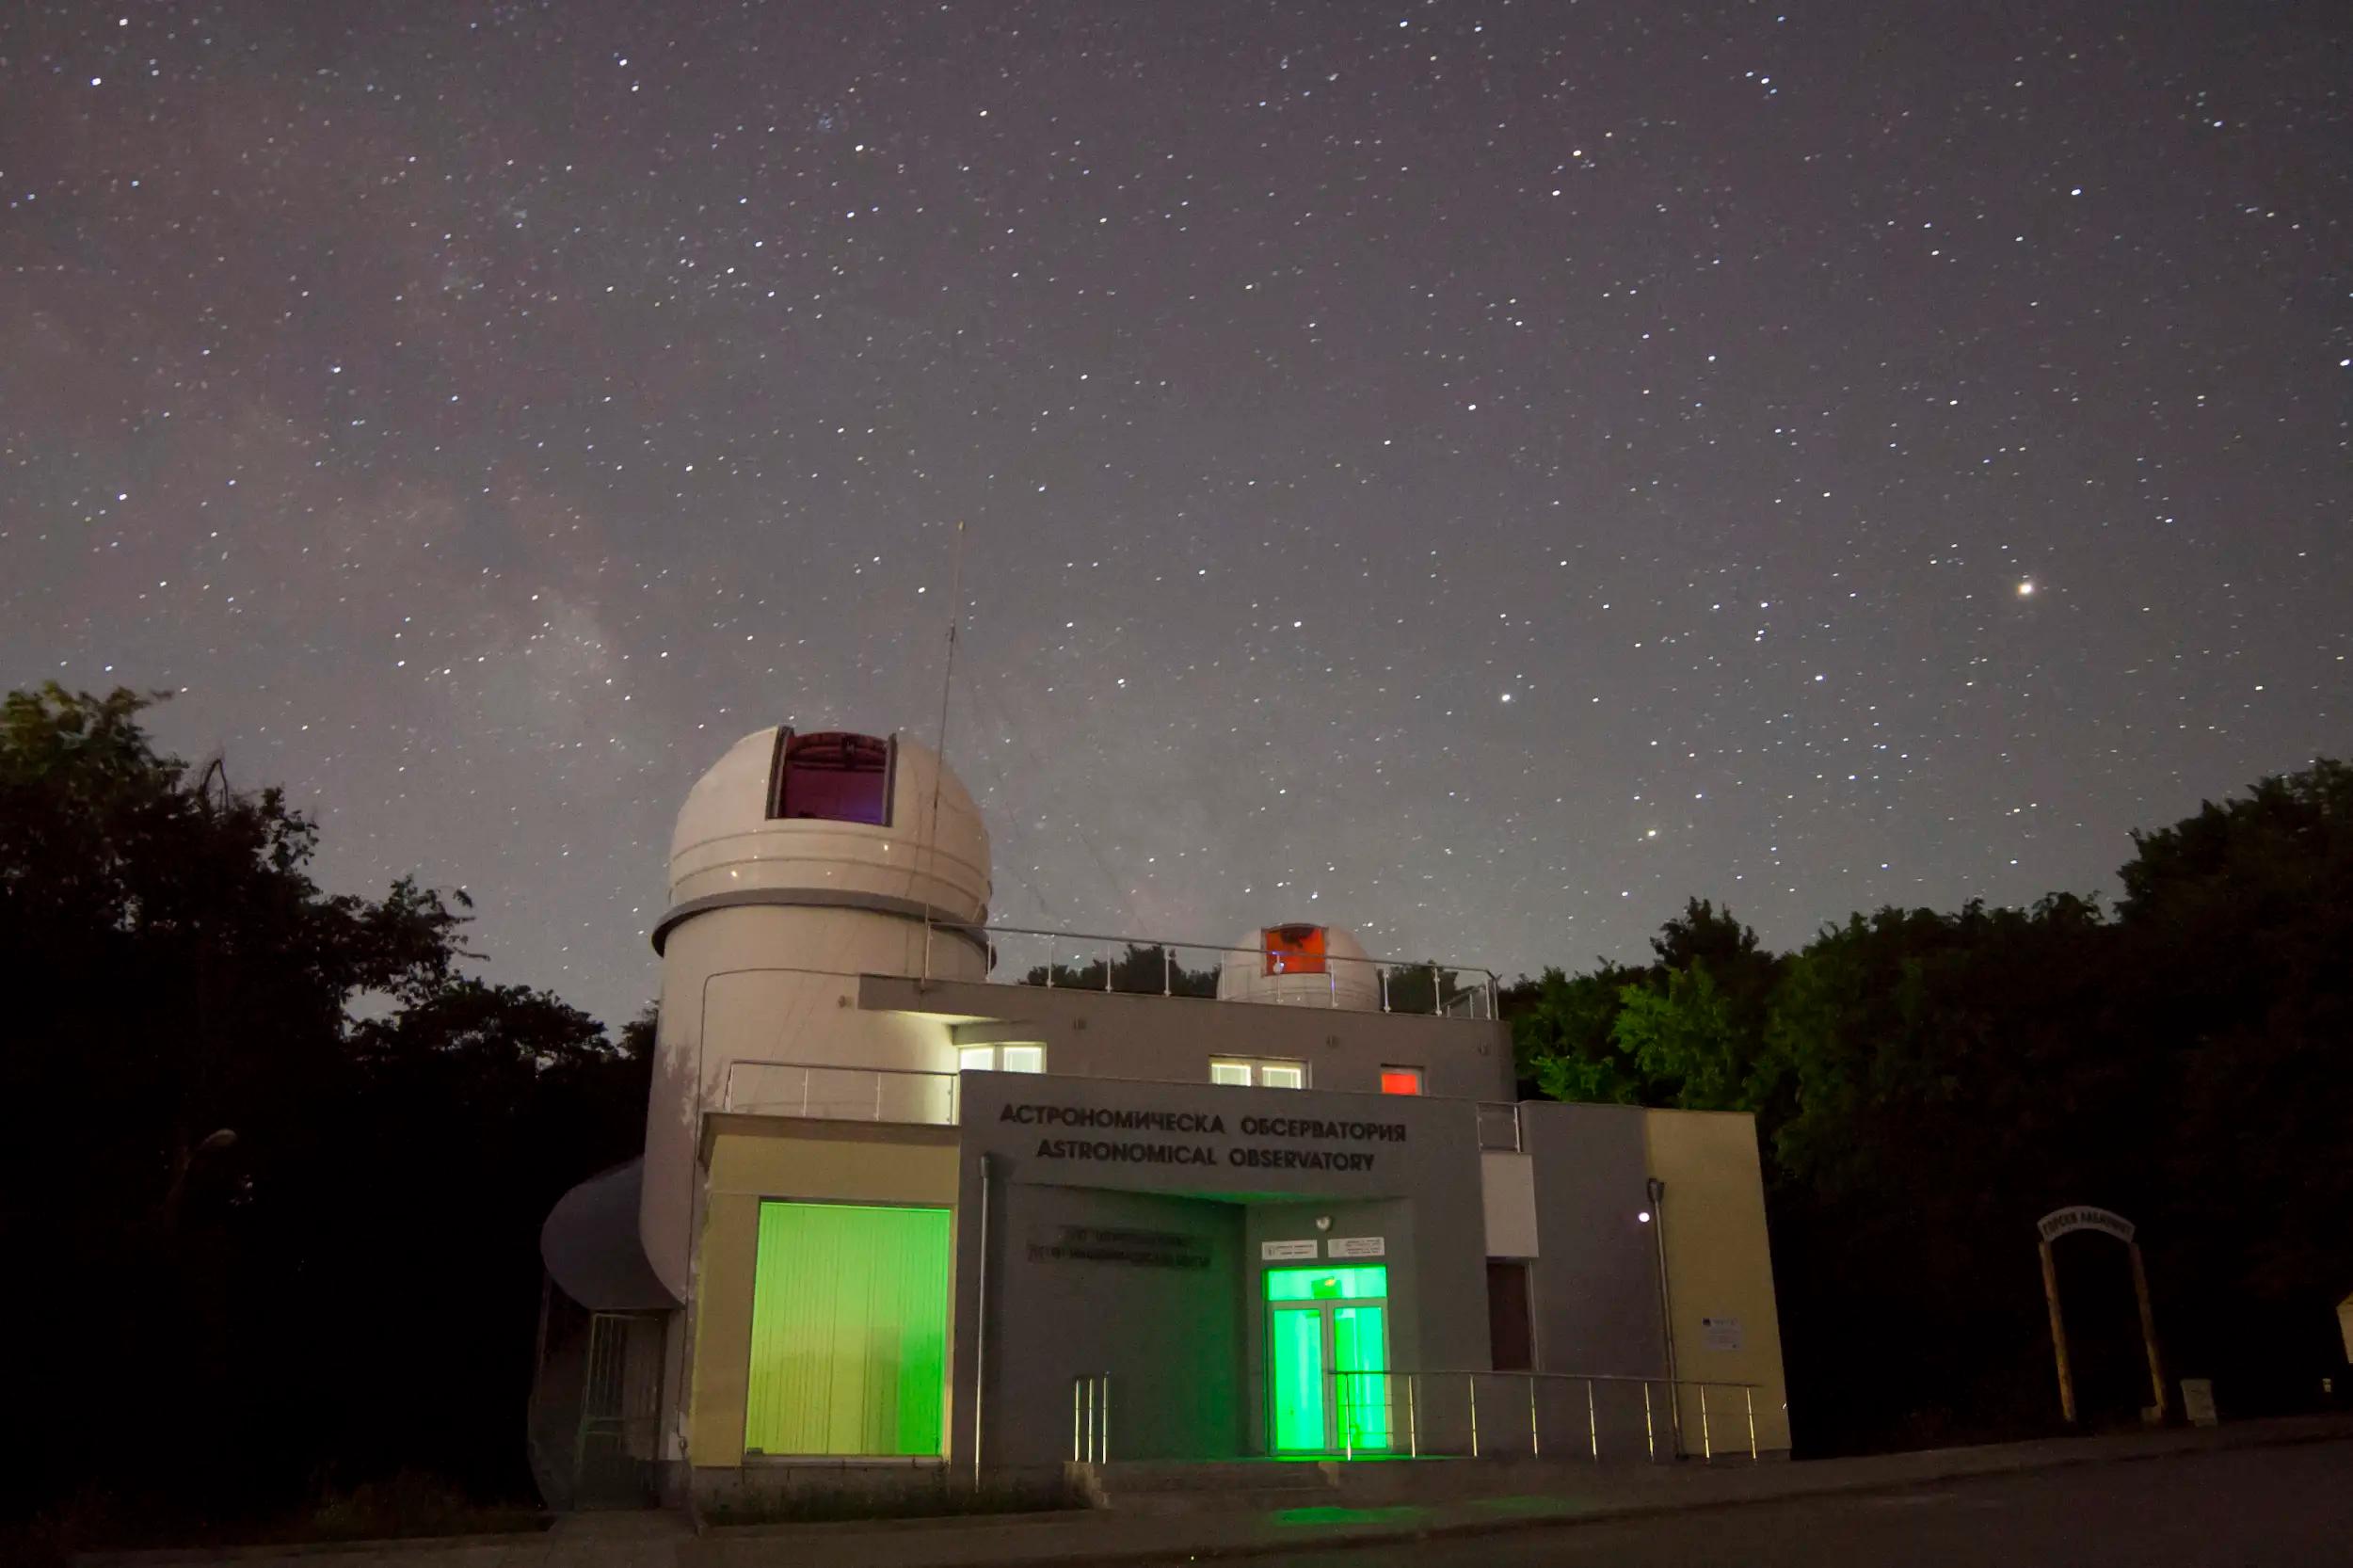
(1360, 1354)
(1295, 1368)
(1328, 1360)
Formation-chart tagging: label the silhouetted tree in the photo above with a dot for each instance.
(1927, 1084)
(282, 1165)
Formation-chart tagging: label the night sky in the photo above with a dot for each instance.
(1475, 473)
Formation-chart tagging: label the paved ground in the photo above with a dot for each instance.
(2252, 1507)
(2248, 1496)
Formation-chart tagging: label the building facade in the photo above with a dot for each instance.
(896, 1213)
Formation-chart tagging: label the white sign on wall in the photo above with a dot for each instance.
(1276, 1252)
(1359, 1246)
(1720, 1334)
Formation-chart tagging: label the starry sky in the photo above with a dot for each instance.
(1472, 472)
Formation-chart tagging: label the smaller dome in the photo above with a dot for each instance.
(1304, 966)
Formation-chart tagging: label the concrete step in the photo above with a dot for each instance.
(1213, 1474)
(1145, 1487)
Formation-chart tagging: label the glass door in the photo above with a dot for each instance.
(1360, 1357)
(1328, 1388)
(1295, 1377)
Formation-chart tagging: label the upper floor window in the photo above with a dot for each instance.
(832, 775)
(1250, 1072)
(1293, 948)
(1400, 1081)
(1002, 1058)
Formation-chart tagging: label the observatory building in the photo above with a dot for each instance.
(922, 1194)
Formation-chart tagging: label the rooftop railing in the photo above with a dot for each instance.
(1151, 966)
(840, 1094)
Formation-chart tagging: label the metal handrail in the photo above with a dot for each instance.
(1484, 993)
(838, 1108)
(1091, 1419)
(1536, 1435)
(1506, 1114)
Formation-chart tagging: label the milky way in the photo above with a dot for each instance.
(1476, 473)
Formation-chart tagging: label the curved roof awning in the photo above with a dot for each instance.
(589, 1244)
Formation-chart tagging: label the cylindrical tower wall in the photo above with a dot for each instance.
(771, 919)
(760, 1014)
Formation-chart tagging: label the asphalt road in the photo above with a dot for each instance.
(2250, 1507)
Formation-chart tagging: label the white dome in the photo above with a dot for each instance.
(728, 849)
(1307, 966)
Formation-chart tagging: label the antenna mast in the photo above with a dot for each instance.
(939, 752)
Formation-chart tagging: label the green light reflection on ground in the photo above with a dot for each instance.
(1328, 1515)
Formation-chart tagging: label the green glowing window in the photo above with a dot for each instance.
(1325, 1284)
(849, 1349)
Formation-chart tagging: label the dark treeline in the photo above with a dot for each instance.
(1139, 968)
(275, 1165)
(1150, 968)
(1928, 1084)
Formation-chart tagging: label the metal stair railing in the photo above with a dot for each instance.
(1504, 1416)
(1091, 1419)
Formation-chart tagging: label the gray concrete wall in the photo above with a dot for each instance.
(1073, 1297)
(1171, 1039)
(1179, 1324)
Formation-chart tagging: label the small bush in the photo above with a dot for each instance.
(412, 1503)
(409, 1504)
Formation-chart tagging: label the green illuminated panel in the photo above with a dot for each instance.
(849, 1348)
(1295, 1377)
(1360, 1354)
(1370, 1283)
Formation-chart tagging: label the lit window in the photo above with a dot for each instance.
(1002, 1058)
(1400, 1081)
(1293, 948)
(832, 775)
(1246, 1071)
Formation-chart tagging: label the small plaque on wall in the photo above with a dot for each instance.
(1720, 1334)
(1359, 1246)
(1273, 1252)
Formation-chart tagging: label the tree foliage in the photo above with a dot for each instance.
(1140, 968)
(285, 1162)
(1925, 1084)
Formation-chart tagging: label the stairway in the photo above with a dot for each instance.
(1148, 1487)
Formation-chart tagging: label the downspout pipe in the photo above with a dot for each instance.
(1657, 1189)
(979, 1325)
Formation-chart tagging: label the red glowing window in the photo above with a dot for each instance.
(1400, 1081)
(832, 775)
(1293, 948)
